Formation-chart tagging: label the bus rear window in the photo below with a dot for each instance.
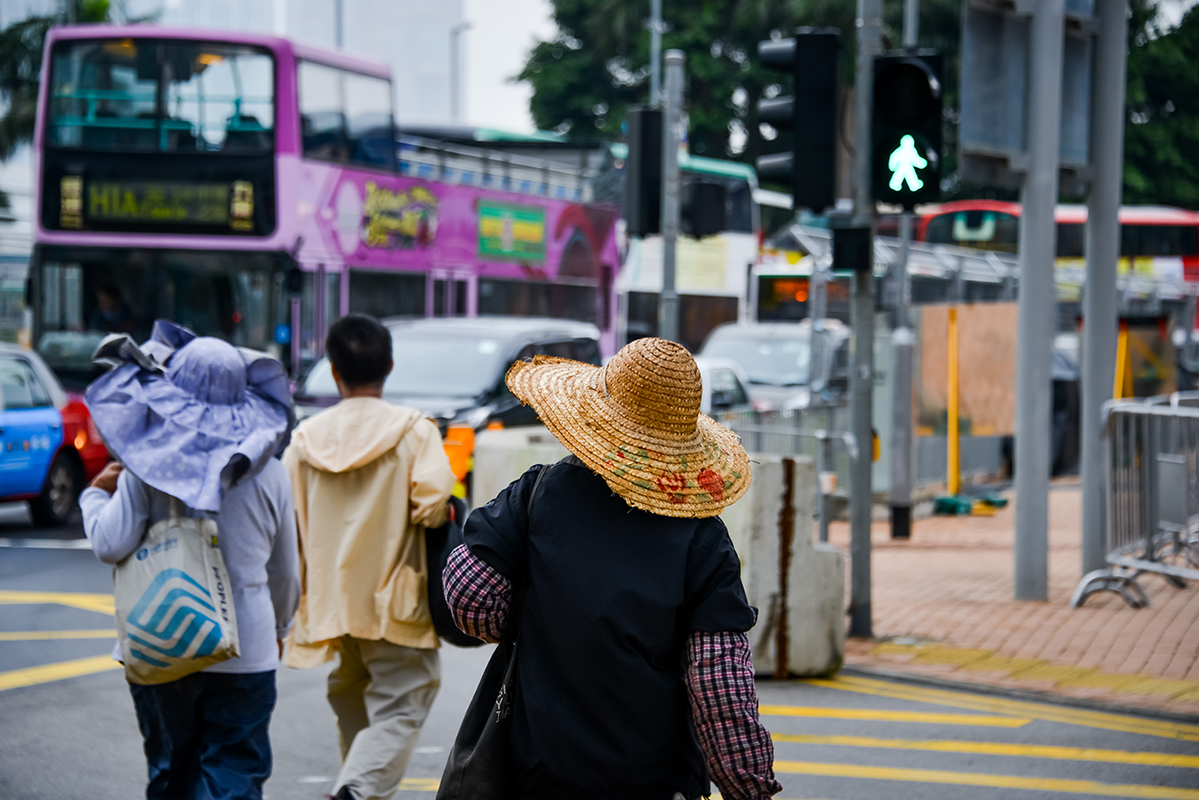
(145, 95)
(982, 230)
(1159, 240)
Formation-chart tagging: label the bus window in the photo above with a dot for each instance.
(983, 230)
(1159, 240)
(102, 291)
(387, 294)
(217, 98)
(1070, 239)
(345, 116)
(698, 315)
(529, 299)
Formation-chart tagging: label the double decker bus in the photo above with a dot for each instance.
(1155, 241)
(255, 189)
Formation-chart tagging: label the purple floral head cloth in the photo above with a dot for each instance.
(190, 415)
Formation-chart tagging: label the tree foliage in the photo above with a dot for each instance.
(1161, 132)
(21, 46)
(597, 65)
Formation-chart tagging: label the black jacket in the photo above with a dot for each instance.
(608, 597)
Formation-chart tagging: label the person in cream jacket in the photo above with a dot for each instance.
(368, 477)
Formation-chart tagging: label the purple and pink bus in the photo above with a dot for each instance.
(255, 189)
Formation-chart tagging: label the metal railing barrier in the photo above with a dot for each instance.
(811, 432)
(1151, 493)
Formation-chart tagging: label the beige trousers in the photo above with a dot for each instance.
(381, 693)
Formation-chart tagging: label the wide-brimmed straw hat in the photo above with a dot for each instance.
(636, 422)
(190, 415)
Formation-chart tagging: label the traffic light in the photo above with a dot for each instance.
(906, 128)
(810, 114)
(643, 172)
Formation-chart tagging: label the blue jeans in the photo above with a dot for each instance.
(206, 736)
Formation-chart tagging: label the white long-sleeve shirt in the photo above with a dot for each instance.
(257, 524)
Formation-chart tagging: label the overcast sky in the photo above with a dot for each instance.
(497, 45)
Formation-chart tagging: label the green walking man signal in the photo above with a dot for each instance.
(903, 163)
(906, 128)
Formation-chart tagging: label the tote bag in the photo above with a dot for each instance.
(174, 602)
(480, 766)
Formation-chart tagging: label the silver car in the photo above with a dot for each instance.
(776, 358)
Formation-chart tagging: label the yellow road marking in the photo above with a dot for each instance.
(891, 716)
(1000, 749)
(420, 785)
(1065, 786)
(29, 636)
(998, 705)
(45, 673)
(100, 603)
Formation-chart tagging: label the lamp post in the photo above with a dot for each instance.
(455, 68)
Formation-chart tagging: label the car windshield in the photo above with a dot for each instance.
(428, 366)
(771, 360)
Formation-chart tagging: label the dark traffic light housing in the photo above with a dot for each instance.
(643, 172)
(810, 113)
(906, 128)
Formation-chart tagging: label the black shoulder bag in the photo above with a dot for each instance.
(439, 543)
(480, 767)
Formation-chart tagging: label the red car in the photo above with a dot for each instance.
(49, 446)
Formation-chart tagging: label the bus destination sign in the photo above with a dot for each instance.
(157, 202)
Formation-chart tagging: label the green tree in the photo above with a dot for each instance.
(21, 45)
(586, 77)
(1161, 133)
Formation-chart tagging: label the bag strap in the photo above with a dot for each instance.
(175, 508)
(513, 631)
(533, 494)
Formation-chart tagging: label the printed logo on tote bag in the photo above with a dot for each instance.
(173, 614)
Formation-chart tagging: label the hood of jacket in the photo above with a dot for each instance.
(352, 433)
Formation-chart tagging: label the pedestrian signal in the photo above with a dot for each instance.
(809, 115)
(906, 128)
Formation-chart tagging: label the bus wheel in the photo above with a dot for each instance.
(56, 503)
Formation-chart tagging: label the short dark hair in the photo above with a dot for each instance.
(359, 347)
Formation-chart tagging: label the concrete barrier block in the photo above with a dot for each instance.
(502, 456)
(815, 629)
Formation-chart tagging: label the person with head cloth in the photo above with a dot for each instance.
(195, 420)
(633, 674)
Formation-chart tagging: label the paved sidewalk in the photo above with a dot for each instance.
(943, 607)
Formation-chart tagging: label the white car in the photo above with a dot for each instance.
(724, 386)
(776, 358)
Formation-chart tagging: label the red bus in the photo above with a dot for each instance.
(1157, 241)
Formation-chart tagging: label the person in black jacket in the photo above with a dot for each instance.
(634, 677)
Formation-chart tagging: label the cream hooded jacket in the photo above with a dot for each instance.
(368, 477)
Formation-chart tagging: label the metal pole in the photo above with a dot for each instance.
(668, 303)
(870, 28)
(903, 342)
(456, 71)
(953, 428)
(911, 22)
(1037, 302)
(655, 53)
(1100, 315)
(339, 32)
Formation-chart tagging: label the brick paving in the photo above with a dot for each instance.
(946, 596)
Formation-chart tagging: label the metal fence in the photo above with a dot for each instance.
(821, 433)
(1152, 497)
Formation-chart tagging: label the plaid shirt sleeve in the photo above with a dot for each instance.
(724, 705)
(477, 594)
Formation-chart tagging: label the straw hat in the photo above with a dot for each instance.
(636, 423)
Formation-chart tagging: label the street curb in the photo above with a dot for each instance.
(1030, 695)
